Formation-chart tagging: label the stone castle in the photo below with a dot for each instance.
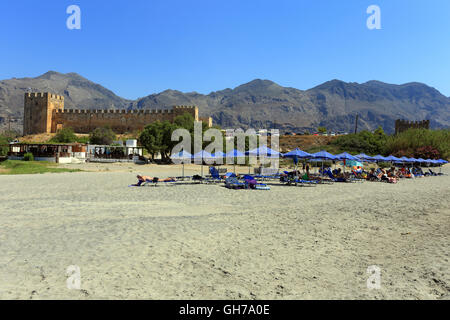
(45, 113)
(403, 125)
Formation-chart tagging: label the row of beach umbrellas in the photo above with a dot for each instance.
(264, 151)
(324, 155)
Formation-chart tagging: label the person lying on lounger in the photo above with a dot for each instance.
(143, 179)
(392, 174)
(385, 177)
(404, 173)
(372, 176)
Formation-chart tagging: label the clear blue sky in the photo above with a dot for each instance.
(139, 47)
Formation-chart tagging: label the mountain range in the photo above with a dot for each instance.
(257, 104)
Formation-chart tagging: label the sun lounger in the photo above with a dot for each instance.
(234, 183)
(337, 179)
(267, 174)
(251, 183)
(214, 176)
(290, 179)
(435, 173)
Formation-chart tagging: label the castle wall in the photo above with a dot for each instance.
(121, 121)
(403, 125)
(45, 113)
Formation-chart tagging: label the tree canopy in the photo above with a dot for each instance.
(102, 136)
(65, 135)
(157, 136)
(3, 145)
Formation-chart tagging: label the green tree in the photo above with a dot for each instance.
(102, 136)
(157, 138)
(364, 141)
(322, 130)
(4, 141)
(420, 143)
(65, 135)
(185, 121)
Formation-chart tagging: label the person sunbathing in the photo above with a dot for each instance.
(372, 176)
(385, 177)
(391, 173)
(143, 179)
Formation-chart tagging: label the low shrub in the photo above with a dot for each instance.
(102, 136)
(28, 157)
(65, 135)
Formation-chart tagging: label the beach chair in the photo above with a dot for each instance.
(251, 183)
(234, 183)
(291, 179)
(357, 176)
(215, 176)
(334, 179)
(435, 173)
(268, 174)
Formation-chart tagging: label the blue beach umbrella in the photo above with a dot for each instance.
(346, 157)
(364, 157)
(200, 156)
(297, 154)
(404, 159)
(182, 157)
(264, 151)
(234, 154)
(379, 158)
(323, 155)
(392, 158)
(420, 160)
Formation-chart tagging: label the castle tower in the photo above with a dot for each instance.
(180, 110)
(38, 112)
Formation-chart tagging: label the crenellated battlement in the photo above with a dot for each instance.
(115, 111)
(403, 125)
(40, 95)
(184, 107)
(44, 113)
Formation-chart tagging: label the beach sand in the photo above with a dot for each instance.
(208, 242)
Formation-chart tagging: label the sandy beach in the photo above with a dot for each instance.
(208, 242)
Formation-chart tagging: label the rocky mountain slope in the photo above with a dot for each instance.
(257, 104)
